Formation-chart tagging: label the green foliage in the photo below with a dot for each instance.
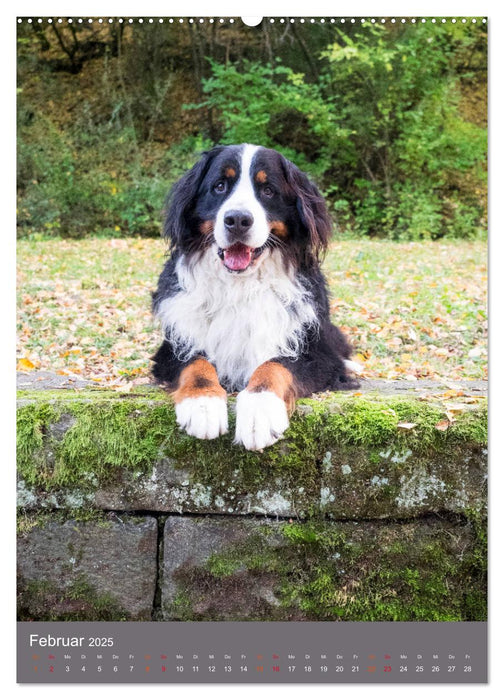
(382, 134)
(389, 120)
(399, 94)
(69, 189)
(274, 106)
(75, 183)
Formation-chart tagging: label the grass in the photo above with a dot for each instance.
(411, 310)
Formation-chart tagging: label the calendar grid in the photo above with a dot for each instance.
(250, 652)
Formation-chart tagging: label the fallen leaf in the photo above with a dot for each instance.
(25, 365)
(123, 388)
(442, 425)
(406, 426)
(455, 407)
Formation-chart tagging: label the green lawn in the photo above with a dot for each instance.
(411, 310)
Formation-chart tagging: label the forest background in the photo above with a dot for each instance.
(389, 120)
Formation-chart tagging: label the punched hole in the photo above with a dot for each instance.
(251, 21)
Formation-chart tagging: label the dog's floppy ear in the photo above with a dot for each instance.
(312, 211)
(181, 200)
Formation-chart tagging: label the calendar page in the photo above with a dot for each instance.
(252, 349)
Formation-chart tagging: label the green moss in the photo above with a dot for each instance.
(320, 537)
(221, 567)
(26, 522)
(472, 426)
(131, 434)
(112, 435)
(373, 422)
(183, 608)
(424, 578)
(32, 423)
(41, 600)
(424, 570)
(475, 569)
(374, 458)
(106, 436)
(219, 463)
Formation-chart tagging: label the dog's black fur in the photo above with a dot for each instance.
(242, 299)
(296, 203)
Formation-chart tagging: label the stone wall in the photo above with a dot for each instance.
(372, 508)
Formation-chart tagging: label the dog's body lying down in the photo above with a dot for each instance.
(242, 300)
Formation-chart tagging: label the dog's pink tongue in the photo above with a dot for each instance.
(237, 257)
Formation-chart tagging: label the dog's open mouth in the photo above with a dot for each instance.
(238, 257)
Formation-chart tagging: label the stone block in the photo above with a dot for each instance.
(254, 569)
(88, 570)
(343, 455)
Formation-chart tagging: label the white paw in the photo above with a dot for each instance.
(203, 417)
(354, 367)
(261, 419)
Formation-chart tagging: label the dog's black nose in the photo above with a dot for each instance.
(238, 223)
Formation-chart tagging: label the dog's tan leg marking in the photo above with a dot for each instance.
(200, 401)
(272, 376)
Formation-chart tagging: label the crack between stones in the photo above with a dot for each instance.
(156, 613)
(163, 515)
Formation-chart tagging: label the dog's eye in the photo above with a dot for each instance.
(268, 191)
(220, 187)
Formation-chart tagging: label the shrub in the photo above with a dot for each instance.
(380, 131)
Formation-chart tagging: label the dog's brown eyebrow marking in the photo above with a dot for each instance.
(278, 228)
(230, 172)
(206, 227)
(261, 176)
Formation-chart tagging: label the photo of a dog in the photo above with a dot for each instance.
(242, 300)
(252, 320)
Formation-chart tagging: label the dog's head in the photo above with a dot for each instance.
(245, 201)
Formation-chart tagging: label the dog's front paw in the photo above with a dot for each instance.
(261, 419)
(203, 417)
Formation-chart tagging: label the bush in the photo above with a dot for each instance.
(273, 106)
(93, 178)
(380, 131)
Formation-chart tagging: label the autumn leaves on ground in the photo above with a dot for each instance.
(411, 310)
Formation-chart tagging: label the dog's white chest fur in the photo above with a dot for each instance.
(237, 321)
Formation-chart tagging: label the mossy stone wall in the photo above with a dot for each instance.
(372, 507)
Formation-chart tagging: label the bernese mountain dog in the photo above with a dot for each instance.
(242, 300)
